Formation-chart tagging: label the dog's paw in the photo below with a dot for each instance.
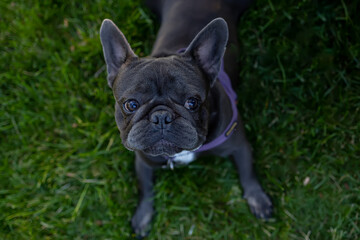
(141, 220)
(259, 203)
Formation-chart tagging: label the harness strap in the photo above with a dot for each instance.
(226, 84)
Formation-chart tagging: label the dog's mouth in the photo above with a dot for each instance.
(162, 147)
(178, 136)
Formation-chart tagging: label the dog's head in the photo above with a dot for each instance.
(162, 105)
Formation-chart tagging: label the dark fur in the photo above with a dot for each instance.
(162, 83)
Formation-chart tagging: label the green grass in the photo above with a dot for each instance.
(65, 175)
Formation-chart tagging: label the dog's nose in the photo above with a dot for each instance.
(161, 119)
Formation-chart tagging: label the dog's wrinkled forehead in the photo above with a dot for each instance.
(168, 77)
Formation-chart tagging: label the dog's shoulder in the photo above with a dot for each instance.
(155, 6)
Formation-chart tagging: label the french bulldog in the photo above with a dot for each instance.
(171, 105)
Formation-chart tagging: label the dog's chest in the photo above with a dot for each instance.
(184, 157)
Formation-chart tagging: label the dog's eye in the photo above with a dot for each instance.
(131, 105)
(192, 104)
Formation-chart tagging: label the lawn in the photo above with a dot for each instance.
(65, 175)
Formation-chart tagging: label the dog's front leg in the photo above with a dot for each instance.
(145, 210)
(259, 203)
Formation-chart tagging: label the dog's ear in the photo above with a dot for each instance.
(116, 49)
(208, 47)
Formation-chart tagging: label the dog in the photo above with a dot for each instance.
(173, 106)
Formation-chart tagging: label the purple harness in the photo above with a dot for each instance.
(226, 84)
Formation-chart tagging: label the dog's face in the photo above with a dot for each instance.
(161, 103)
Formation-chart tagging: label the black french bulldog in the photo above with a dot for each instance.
(171, 105)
